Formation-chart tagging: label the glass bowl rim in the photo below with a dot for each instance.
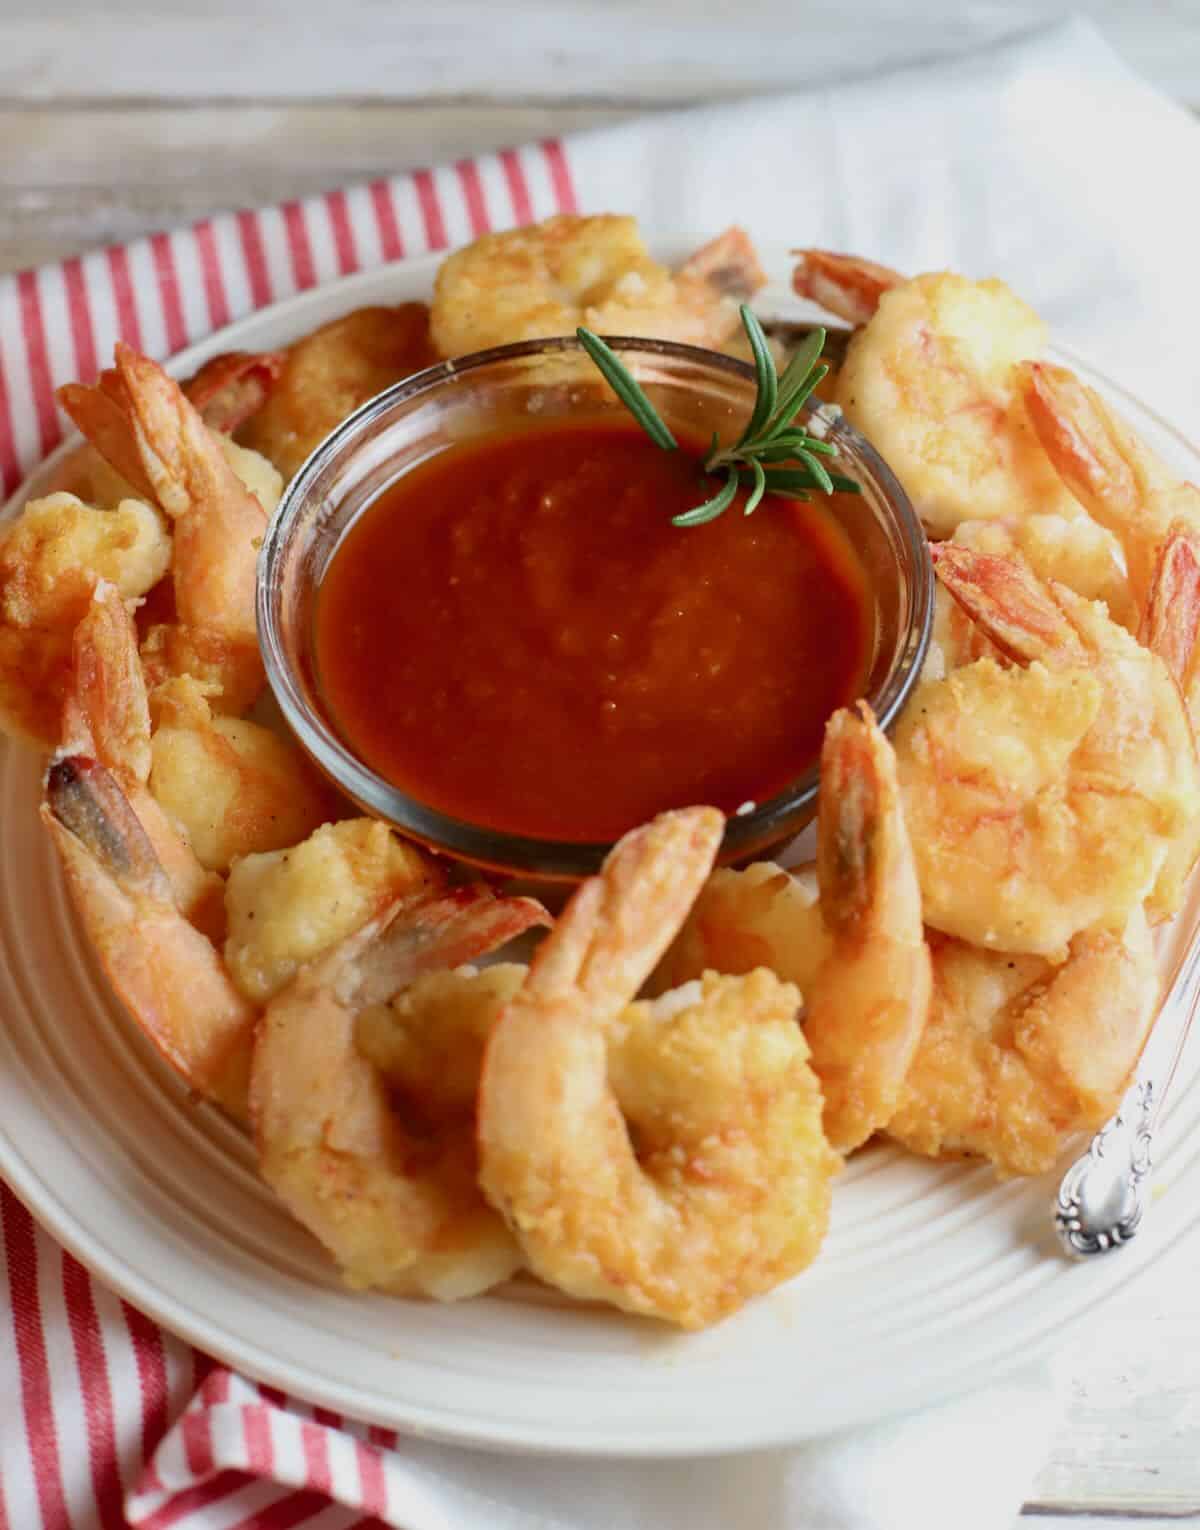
(502, 850)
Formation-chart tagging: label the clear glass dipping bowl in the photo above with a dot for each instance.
(695, 390)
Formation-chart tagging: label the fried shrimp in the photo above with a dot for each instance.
(166, 972)
(868, 1003)
(226, 391)
(106, 717)
(551, 277)
(139, 419)
(932, 380)
(52, 557)
(231, 388)
(763, 916)
(1171, 621)
(1114, 476)
(231, 786)
(1051, 797)
(1019, 1055)
(845, 285)
(384, 1177)
(1077, 553)
(326, 375)
(429, 1040)
(287, 906)
(666, 1156)
(858, 954)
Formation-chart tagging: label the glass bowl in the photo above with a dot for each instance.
(695, 390)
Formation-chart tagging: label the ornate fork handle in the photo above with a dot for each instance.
(1102, 1195)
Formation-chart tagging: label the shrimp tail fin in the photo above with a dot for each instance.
(619, 924)
(415, 935)
(1091, 451)
(231, 388)
(1171, 623)
(166, 972)
(430, 934)
(105, 712)
(83, 798)
(844, 285)
(1009, 604)
(100, 414)
(729, 264)
(869, 1003)
(859, 798)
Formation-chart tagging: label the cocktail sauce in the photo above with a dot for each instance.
(515, 634)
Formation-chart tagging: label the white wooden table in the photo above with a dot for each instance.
(137, 114)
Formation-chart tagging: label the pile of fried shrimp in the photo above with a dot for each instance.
(652, 1110)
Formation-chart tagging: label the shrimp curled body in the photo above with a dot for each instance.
(665, 1157)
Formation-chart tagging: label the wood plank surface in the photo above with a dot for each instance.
(72, 178)
(624, 51)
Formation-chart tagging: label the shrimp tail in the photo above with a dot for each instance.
(105, 711)
(729, 264)
(870, 1000)
(106, 718)
(1009, 604)
(422, 934)
(85, 800)
(100, 414)
(859, 793)
(166, 973)
(1089, 448)
(232, 388)
(619, 924)
(845, 285)
(1171, 622)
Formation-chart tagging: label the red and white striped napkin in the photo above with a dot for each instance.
(1042, 159)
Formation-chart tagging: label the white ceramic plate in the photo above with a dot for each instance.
(933, 1276)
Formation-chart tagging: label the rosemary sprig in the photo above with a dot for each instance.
(771, 434)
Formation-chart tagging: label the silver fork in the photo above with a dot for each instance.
(1103, 1194)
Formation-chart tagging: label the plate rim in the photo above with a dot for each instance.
(434, 1421)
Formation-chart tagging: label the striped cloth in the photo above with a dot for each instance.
(108, 1421)
(90, 1384)
(162, 293)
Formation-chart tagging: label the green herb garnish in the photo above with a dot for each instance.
(771, 434)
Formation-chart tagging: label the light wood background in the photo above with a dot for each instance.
(120, 116)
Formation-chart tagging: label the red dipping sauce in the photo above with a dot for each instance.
(514, 634)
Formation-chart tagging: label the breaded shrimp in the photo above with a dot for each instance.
(551, 277)
(1076, 552)
(666, 1157)
(428, 1041)
(1020, 1055)
(52, 557)
(285, 907)
(932, 380)
(1113, 475)
(858, 955)
(140, 420)
(867, 1006)
(106, 717)
(1051, 797)
(762, 916)
(231, 388)
(388, 1186)
(226, 391)
(166, 972)
(326, 375)
(232, 787)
